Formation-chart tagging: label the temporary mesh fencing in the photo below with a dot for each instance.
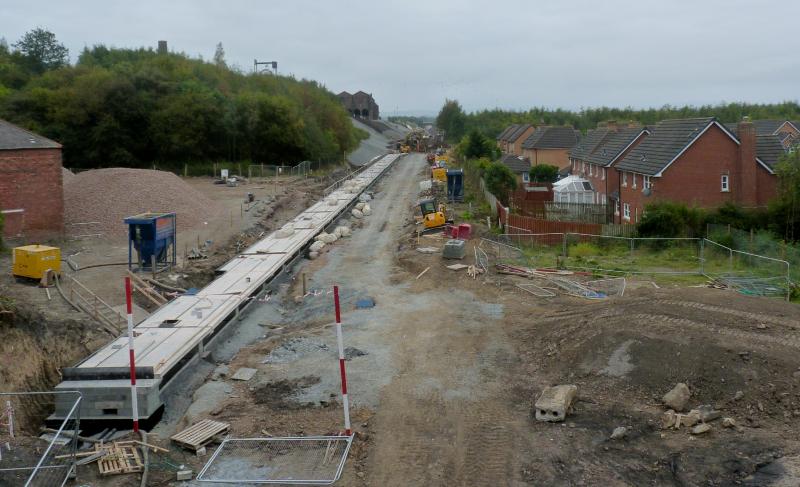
(53, 465)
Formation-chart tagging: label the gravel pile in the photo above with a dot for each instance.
(108, 196)
(66, 175)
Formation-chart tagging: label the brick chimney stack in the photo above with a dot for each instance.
(747, 178)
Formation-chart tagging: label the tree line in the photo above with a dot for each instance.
(456, 122)
(135, 107)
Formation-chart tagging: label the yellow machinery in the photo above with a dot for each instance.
(34, 260)
(405, 148)
(433, 216)
(439, 174)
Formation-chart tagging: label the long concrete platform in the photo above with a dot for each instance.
(181, 330)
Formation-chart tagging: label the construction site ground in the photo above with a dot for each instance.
(444, 370)
(46, 333)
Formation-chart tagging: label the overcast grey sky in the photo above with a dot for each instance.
(413, 54)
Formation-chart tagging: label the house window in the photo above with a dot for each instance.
(646, 182)
(526, 177)
(624, 179)
(604, 174)
(616, 207)
(634, 180)
(590, 169)
(626, 208)
(724, 184)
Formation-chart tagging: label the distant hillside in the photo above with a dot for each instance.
(134, 107)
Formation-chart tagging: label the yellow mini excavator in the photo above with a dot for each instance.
(433, 215)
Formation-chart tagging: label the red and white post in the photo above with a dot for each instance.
(340, 341)
(134, 399)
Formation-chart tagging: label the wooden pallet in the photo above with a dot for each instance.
(119, 459)
(200, 434)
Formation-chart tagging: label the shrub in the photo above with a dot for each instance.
(584, 249)
(544, 173)
(500, 181)
(668, 219)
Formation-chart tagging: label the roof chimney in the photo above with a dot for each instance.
(748, 181)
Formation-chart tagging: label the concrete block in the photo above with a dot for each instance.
(245, 374)
(184, 475)
(454, 249)
(554, 402)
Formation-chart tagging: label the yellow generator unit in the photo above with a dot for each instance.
(34, 260)
(439, 174)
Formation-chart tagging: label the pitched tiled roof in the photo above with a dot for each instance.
(769, 149)
(535, 136)
(552, 138)
(611, 146)
(589, 143)
(508, 132)
(505, 132)
(513, 136)
(666, 140)
(767, 127)
(13, 137)
(517, 164)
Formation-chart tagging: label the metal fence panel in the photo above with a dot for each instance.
(312, 460)
(57, 461)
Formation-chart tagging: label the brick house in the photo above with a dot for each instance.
(699, 162)
(502, 139)
(515, 138)
(31, 193)
(520, 166)
(360, 105)
(503, 136)
(594, 158)
(787, 131)
(550, 145)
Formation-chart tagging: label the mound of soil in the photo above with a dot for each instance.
(107, 196)
(278, 394)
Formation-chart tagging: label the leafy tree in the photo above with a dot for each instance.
(543, 173)
(133, 107)
(474, 146)
(43, 49)
(500, 181)
(785, 210)
(452, 120)
(219, 56)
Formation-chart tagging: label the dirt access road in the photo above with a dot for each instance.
(443, 371)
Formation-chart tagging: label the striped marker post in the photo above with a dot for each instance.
(134, 399)
(340, 341)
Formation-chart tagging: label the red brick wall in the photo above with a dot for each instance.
(31, 180)
(553, 157)
(516, 146)
(767, 186)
